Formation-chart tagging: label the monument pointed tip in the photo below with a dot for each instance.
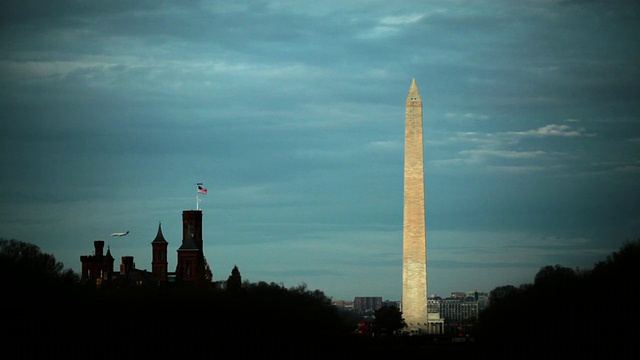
(414, 93)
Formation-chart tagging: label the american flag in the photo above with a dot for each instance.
(202, 190)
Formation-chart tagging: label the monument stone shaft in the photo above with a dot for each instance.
(414, 240)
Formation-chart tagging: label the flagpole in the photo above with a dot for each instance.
(199, 189)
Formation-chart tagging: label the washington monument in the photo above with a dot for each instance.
(414, 240)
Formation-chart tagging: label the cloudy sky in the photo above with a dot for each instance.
(291, 114)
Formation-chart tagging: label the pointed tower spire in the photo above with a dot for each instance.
(159, 237)
(159, 263)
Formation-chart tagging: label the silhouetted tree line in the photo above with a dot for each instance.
(563, 314)
(567, 312)
(24, 265)
(47, 309)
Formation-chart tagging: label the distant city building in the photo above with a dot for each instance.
(367, 303)
(344, 305)
(391, 303)
(433, 305)
(457, 310)
(460, 307)
(481, 297)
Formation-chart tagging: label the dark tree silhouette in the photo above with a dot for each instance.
(234, 281)
(502, 293)
(568, 313)
(388, 319)
(555, 276)
(24, 265)
(208, 274)
(621, 267)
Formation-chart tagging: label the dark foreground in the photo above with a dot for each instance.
(154, 325)
(130, 340)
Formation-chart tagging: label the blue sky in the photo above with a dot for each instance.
(292, 115)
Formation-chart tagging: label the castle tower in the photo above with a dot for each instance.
(159, 257)
(188, 260)
(97, 267)
(414, 240)
(192, 225)
(192, 265)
